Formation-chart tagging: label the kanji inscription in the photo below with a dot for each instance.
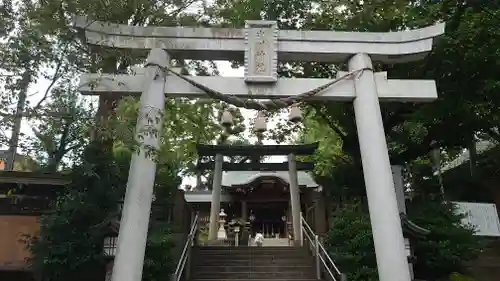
(261, 42)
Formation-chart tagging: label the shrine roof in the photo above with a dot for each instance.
(231, 178)
(204, 196)
(481, 147)
(34, 178)
(253, 150)
(412, 229)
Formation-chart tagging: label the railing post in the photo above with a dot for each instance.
(188, 262)
(191, 237)
(173, 277)
(343, 277)
(301, 231)
(318, 258)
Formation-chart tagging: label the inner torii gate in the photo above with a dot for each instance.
(292, 166)
(261, 45)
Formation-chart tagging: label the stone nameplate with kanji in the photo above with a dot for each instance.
(261, 51)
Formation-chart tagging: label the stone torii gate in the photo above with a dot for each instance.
(261, 45)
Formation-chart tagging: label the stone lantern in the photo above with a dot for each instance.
(221, 234)
(295, 114)
(227, 119)
(260, 125)
(239, 227)
(237, 235)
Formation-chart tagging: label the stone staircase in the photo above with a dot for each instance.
(212, 263)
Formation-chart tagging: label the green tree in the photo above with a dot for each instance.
(159, 261)
(350, 244)
(410, 128)
(449, 246)
(461, 63)
(71, 236)
(443, 253)
(61, 130)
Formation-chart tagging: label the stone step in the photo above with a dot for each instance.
(211, 263)
(306, 274)
(197, 261)
(246, 246)
(255, 268)
(255, 279)
(224, 258)
(250, 254)
(251, 249)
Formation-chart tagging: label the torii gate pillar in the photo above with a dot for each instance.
(384, 214)
(132, 237)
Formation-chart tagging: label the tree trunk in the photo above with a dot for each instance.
(16, 129)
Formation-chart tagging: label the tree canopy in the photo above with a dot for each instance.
(38, 42)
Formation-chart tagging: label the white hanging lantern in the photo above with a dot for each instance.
(260, 125)
(295, 114)
(226, 119)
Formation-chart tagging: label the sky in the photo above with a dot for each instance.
(225, 70)
(37, 91)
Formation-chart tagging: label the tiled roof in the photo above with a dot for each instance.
(3, 154)
(22, 162)
(231, 178)
(481, 147)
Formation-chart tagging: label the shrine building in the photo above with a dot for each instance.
(263, 199)
(258, 194)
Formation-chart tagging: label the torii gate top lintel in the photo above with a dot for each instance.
(291, 45)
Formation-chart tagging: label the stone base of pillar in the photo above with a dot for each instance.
(221, 234)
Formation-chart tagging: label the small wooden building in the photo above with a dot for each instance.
(472, 180)
(24, 196)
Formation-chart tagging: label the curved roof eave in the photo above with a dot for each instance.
(231, 178)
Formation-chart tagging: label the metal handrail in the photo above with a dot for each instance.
(320, 253)
(186, 252)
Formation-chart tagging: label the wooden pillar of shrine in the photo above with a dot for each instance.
(244, 210)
